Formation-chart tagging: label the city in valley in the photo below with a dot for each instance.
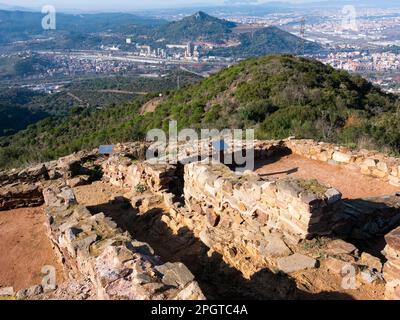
(358, 39)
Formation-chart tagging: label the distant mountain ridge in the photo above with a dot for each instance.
(83, 31)
(201, 26)
(18, 25)
(12, 8)
(269, 40)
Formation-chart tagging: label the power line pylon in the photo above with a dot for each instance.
(302, 40)
(178, 77)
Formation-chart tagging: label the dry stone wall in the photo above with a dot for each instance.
(126, 173)
(391, 270)
(118, 266)
(23, 188)
(20, 196)
(252, 222)
(371, 163)
(300, 208)
(247, 219)
(28, 175)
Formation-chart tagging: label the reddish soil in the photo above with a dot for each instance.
(97, 193)
(25, 248)
(351, 183)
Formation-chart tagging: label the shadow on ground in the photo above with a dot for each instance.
(216, 279)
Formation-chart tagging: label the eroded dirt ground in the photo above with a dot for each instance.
(215, 277)
(25, 248)
(351, 184)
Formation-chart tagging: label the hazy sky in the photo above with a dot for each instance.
(127, 4)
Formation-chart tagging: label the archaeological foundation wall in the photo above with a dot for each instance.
(360, 218)
(253, 223)
(239, 215)
(367, 162)
(119, 267)
(300, 208)
(24, 188)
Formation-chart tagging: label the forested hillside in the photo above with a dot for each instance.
(20, 107)
(278, 96)
(281, 96)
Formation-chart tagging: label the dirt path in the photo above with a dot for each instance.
(351, 184)
(151, 105)
(25, 248)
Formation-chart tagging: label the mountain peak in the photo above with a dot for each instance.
(197, 25)
(201, 15)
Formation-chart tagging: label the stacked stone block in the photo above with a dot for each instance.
(20, 196)
(391, 270)
(302, 209)
(118, 266)
(371, 163)
(126, 173)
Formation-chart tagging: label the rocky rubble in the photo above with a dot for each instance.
(24, 188)
(391, 270)
(29, 175)
(118, 266)
(296, 262)
(369, 217)
(20, 196)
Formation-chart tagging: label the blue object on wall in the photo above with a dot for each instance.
(220, 145)
(106, 149)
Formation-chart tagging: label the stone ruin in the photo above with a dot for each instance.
(253, 223)
(118, 266)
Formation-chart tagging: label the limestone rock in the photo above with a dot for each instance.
(141, 247)
(6, 292)
(212, 217)
(371, 262)
(337, 247)
(191, 292)
(369, 276)
(205, 238)
(391, 269)
(274, 247)
(333, 195)
(341, 157)
(296, 262)
(57, 197)
(393, 239)
(175, 274)
(78, 181)
(337, 266)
